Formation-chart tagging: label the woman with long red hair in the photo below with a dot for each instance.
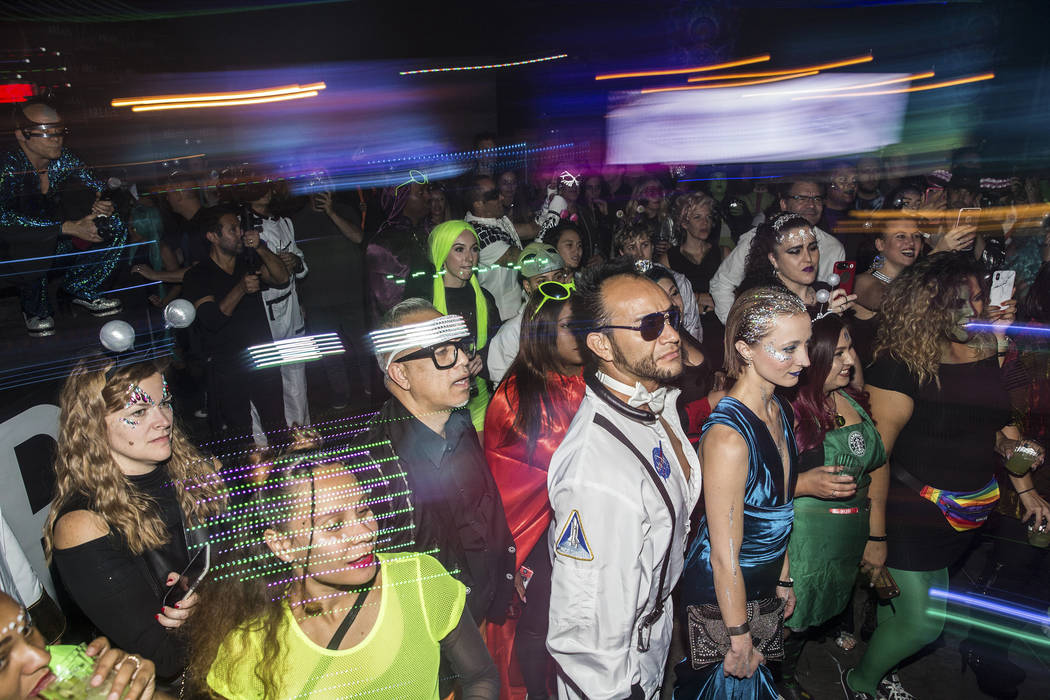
(526, 421)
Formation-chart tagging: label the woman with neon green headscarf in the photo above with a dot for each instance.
(454, 251)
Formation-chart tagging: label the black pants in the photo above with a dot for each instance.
(530, 636)
(232, 386)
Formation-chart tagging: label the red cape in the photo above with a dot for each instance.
(522, 483)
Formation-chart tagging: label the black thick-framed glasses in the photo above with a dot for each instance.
(444, 355)
(652, 325)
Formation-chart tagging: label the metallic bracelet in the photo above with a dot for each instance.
(739, 629)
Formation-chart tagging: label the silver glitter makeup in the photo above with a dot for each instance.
(776, 354)
(767, 304)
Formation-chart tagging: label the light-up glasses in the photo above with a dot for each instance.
(652, 325)
(557, 291)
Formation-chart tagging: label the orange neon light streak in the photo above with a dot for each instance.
(738, 83)
(914, 76)
(786, 71)
(916, 88)
(209, 97)
(225, 103)
(679, 71)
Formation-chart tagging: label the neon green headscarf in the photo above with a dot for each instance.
(441, 240)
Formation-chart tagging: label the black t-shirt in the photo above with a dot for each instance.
(226, 337)
(187, 237)
(699, 275)
(948, 443)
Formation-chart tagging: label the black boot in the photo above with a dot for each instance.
(786, 681)
(997, 676)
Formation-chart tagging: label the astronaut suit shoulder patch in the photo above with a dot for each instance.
(572, 542)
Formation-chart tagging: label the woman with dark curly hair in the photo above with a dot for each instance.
(303, 605)
(785, 254)
(838, 449)
(132, 497)
(938, 400)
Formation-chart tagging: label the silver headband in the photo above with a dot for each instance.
(390, 341)
(800, 231)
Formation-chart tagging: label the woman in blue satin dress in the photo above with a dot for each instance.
(747, 458)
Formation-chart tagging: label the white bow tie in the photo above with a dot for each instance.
(638, 395)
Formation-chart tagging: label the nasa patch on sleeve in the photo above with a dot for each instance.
(572, 542)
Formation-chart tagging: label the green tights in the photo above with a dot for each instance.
(903, 629)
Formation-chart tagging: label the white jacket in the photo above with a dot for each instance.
(497, 236)
(503, 348)
(731, 272)
(607, 539)
(283, 310)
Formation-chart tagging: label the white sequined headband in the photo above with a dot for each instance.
(390, 341)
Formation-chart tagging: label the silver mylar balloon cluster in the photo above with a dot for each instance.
(119, 336)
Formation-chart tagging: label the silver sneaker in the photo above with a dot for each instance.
(100, 306)
(39, 326)
(890, 688)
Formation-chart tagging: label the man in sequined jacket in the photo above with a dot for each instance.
(51, 218)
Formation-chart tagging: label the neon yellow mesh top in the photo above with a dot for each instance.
(420, 605)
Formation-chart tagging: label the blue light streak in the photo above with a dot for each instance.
(991, 605)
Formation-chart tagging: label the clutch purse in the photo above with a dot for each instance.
(709, 641)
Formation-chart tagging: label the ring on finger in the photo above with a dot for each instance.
(131, 657)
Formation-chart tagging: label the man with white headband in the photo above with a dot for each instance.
(622, 485)
(453, 505)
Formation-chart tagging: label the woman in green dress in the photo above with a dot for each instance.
(838, 447)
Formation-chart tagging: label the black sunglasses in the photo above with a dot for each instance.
(652, 325)
(444, 355)
(490, 195)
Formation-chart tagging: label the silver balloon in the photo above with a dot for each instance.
(179, 313)
(834, 279)
(117, 336)
(822, 296)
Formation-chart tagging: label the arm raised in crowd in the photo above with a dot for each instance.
(273, 272)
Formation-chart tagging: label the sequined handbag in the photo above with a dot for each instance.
(709, 641)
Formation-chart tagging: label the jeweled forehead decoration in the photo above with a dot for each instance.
(771, 305)
(16, 624)
(390, 341)
(792, 235)
(135, 395)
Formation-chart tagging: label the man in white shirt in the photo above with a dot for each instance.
(803, 197)
(500, 245)
(538, 263)
(621, 485)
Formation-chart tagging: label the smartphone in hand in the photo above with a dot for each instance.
(192, 577)
(847, 272)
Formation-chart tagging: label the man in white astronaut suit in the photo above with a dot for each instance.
(622, 485)
(283, 310)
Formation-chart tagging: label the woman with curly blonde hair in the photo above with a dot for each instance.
(132, 498)
(942, 411)
(308, 601)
